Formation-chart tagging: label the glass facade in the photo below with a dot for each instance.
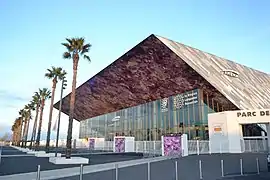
(184, 113)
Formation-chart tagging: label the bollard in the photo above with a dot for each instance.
(81, 172)
(148, 171)
(144, 146)
(116, 171)
(222, 168)
(0, 155)
(209, 144)
(200, 169)
(258, 165)
(176, 170)
(198, 147)
(241, 167)
(38, 173)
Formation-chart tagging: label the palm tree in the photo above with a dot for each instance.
(44, 95)
(76, 47)
(26, 116)
(28, 108)
(14, 130)
(21, 113)
(13, 133)
(55, 74)
(36, 103)
(18, 124)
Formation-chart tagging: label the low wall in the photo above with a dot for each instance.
(188, 168)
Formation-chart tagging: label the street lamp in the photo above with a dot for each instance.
(64, 84)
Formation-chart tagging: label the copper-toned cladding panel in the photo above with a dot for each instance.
(158, 68)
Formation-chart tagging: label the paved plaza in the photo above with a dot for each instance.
(14, 161)
(132, 166)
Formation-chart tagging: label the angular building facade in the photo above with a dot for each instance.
(161, 86)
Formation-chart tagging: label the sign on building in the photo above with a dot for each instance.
(179, 101)
(185, 99)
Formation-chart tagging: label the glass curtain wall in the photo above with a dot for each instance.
(184, 113)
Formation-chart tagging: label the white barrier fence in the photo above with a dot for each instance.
(154, 147)
(194, 146)
(173, 173)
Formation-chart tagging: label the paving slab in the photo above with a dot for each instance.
(25, 163)
(262, 176)
(7, 150)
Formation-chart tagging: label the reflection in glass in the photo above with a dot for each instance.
(182, 113)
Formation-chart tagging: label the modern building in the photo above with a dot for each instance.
(161, 86)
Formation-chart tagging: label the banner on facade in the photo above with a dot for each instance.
(180, 100)
(185, 99)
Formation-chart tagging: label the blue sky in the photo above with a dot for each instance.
(31, 32)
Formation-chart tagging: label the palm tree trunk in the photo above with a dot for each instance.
(14, 140)
(13, 137)
(20, 132)
(34, 127)
(40, 124)
(24, 132)
(71, 109)
(27, 130)
(50, 117)
(17, 135)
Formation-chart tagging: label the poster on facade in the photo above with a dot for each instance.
(172, 145)
(119, 143)
(164, 104)
(91, 143)
(218, 128)
(185, 99)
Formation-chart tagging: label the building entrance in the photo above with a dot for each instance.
(225, 128)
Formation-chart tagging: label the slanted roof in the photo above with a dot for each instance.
(251, 90)
(158, 68)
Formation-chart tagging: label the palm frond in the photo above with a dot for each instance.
(56, 73)
(80, 43)
(49, 75)
(87, 58)
(84, 51)
(68, 46)
(87, 46)
(62, 75)
(69, 41)
(77, 46)
(66, 55)
(44, 93)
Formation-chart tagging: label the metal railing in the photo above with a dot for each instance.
(173, 173)
(153, 148)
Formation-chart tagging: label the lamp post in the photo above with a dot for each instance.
(59, 115)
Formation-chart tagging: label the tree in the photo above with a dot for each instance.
(36, 103)
(28, 108)
(44, 95)
(76, 48)
(21, 112)
(26, 116)
(55, 74)
(19, 122)
(16, 131)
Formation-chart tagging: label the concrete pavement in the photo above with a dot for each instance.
(25, 163)
(101, 167)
